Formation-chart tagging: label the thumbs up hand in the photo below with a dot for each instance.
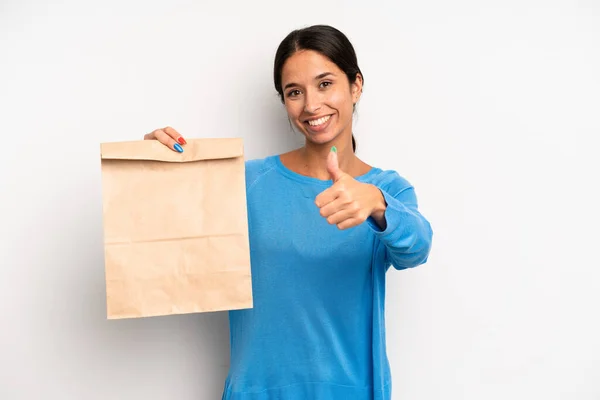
(348, 202)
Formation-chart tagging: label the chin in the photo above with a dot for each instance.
(322, 138)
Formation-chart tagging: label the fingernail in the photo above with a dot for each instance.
(181, 140)
(334, 149)
(178, 147)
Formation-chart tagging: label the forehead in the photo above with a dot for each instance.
(305, 65)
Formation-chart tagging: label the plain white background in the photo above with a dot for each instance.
(491, 110)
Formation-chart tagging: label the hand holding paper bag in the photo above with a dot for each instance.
(175, 227)
(169, 137)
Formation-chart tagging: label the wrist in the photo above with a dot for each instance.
(379, 205)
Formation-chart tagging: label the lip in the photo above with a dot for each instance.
(320, 128)
(315, 118)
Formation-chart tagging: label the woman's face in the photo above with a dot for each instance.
(318, 97)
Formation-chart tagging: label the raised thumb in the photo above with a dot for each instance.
(333, 166)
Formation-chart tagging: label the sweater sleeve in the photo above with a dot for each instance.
(408, 234)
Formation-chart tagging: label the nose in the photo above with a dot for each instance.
(312, 103)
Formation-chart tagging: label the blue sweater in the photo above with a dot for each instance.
(317, 329)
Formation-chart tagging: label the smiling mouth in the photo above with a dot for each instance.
(318, 122)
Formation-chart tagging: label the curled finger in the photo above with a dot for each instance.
(176, 136)
(168, 141)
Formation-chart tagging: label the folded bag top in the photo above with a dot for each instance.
(194, 150)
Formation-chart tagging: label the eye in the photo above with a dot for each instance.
(325, 84)
(293, 93)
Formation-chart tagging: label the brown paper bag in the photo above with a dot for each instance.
(175, 228)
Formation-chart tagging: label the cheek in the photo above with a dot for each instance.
(293, 109)
(341, 100)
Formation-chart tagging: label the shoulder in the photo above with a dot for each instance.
(257, 168)
(389, 180)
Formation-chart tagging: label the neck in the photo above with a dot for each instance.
(314, 158)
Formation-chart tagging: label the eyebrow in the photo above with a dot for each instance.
(320, 76)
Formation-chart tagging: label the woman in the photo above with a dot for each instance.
(324, 229)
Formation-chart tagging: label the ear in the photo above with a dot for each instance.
(357, 88)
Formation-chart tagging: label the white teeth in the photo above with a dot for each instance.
(319, 121)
